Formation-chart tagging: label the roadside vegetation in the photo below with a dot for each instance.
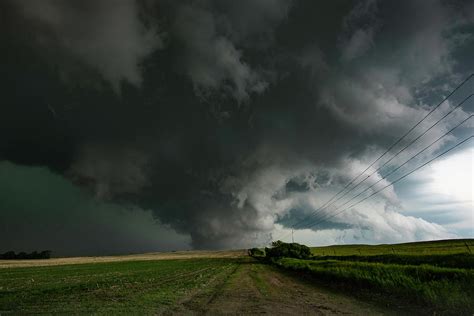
(438, 247)
(436, 275)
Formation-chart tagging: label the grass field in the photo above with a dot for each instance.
(185, 286)
(118, 287)
(439, 247)
(438, 275)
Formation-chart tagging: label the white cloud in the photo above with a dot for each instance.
(444, 192)
(376, 220)
(371, 224)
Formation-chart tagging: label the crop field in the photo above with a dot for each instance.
(176, 286)
(422, 278)
(129, 286)
(136, 257)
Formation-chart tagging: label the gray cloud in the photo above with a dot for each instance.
(105, 35)
(360, 26)
(210, 32)
(321, 90)
(211, 60)
(109, 170)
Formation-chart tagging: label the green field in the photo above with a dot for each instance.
(438, 275)
(184, 286)
(439, 247)
(415, 278)
(118, 287)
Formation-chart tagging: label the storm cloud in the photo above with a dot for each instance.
(226, 122)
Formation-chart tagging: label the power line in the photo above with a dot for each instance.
(407, 161)
(393, 182)
(398, 153)
(388, 150)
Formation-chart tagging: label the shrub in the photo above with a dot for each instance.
(287, 250)
(256, 252)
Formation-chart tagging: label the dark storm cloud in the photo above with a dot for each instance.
(41, 210)
(105, 35)
(221, 116)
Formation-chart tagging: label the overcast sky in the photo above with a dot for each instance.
(153, 125)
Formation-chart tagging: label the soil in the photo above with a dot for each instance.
(255, 288)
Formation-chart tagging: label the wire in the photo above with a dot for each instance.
(399, 167)
(388, 150)
(394, 182)
(398, 153)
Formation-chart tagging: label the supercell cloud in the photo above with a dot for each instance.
(164, 125)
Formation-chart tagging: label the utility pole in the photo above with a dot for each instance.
(292, 238)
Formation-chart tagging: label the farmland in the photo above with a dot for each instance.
(419, 278)
(128, 286)
(168, 286)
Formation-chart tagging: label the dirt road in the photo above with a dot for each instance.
(255, 288)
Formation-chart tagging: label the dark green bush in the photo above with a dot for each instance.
(287, 250)
(256, 252)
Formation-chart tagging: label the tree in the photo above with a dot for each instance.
(288, 250)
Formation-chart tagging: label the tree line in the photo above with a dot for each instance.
(11, 255)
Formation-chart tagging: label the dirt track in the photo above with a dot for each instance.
(255, 288)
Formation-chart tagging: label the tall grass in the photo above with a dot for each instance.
(445, 289)
(437, 247)
(462, 260)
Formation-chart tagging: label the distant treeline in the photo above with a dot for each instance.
(11, 255)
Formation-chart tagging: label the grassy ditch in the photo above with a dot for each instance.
(462, 260)
(422, 248)
(441, 289)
